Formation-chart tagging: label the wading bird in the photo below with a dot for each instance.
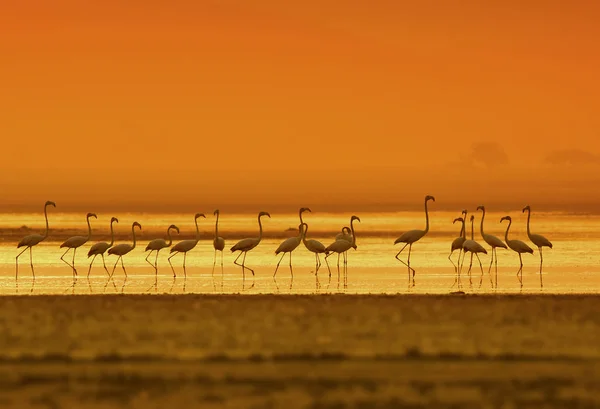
(457, 243)
(100, 248)
(121, 249)
(538, 240)
(245, 245)
(411, 237)
(159, 244)
(186, 245)
(341, 247)
(33, 240)
(517, 246)
(288, 246)
(471, 246)
(218, 243)
(75, 242)
(494, 242)
(315, 247)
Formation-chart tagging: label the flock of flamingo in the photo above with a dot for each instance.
(344, 241)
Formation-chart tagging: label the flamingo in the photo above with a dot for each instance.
(538, 240)
(344, 235)
(100, 248)
(493, 241)
(218, 243)
(316, 247)
(245, 245)
(288, 246)
(121, 249)
(186, 245)
(33, 240)
(517, 246)
(75, 242)
(411, 237)
(457, 243)
(159, 244)
(342, 246)
(471, 246)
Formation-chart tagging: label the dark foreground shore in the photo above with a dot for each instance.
(322, 351)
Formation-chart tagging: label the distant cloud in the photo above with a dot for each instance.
(481, 154)
(488, 154)
(570, 157)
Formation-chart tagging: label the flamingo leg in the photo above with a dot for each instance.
(17, 261)
(541, 263)
(214, 263)
(65, 261)
(31, 262)
(327, 264)
(520, 270)
(104, 263)
(450, 258)
(74, 269)
(156, 265)
(123, 267)
(148, 261)
(172, 268)
(282, 256)
(490, 269)
(241, 265)
(481, 267)
(496, 264)
(247, 268)
(397, 258)
(291, 270)
(184, 272)
(115, 266)
(470, 267)
(90, 269)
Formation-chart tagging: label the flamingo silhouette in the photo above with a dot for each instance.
(411, 237)
(494, 242)
(124, 248)
(245, 245)
(33, 240)
(98, 249)
(159, 244)
(471, 246)
(517, 246)
(341, 247)
(186, 245)
(288, 246)
(344, 235)
(538, 240)
(315, 247)
(218, 243)
(457, 243)
(76, 242)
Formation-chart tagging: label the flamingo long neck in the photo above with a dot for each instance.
(528, 219)
(89, 236)
(259, 229)
(217, 226)
(304, 233)
(133, 233)
(426, 219)
(197, 230)
(46, 217)
(112, 234)
(353, 235)
(463, 230)
(169, 237)
(507, 229)
(482, 218)
(300, 215)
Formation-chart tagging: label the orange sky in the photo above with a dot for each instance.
(343, 104)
